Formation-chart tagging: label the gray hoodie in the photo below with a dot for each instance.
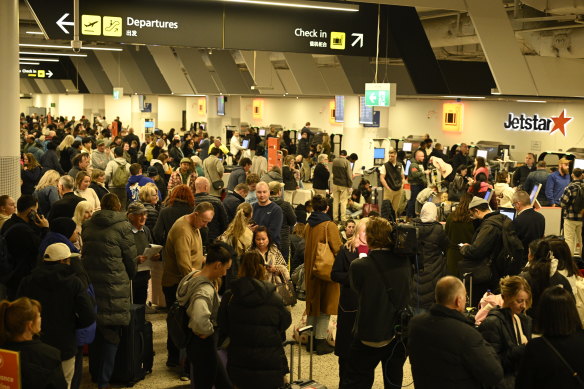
(199, 295)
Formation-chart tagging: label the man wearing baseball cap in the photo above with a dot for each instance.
(100, 156)
(184, 174)
(66, 304)
(137, 214)
(480, 254)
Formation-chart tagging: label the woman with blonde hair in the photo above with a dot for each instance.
(238, 234)
(148, 195)
(20, 326)
(83, 211)
(98, 183)
(46, 191)
(66, 152)
(82, 189)
(355, 247)
(30, 174)
(508, 328)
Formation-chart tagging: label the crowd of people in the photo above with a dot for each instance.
(105, 221)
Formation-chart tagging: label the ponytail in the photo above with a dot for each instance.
(14, 317)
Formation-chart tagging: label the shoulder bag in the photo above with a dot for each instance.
(324, 259)
(285, 288)
(573, 373)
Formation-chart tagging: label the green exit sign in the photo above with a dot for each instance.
(379, 95)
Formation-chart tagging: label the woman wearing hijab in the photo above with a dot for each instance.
(431, 259)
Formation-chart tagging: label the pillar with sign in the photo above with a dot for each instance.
(9, 100)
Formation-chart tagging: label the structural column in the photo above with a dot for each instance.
(9, 100)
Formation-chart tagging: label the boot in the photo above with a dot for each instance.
(322, 347)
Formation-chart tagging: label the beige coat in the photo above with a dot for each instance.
(321, 297)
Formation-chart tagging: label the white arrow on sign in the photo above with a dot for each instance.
(61, 23)
(49, 74)
(373, 97)
(358, 39)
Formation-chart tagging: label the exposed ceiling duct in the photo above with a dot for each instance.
(557, 7)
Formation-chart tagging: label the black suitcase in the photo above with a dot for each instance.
(300, 383)
(135, 351)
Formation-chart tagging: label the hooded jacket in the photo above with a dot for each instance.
(254, 318)
(237, 176)
(141, 180)
(199, 295)
(109, 257)
(66, 304)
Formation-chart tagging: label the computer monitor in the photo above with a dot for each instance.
(534, 193)
(509, 212)
(378, 153)
(482, 153)
(407, 169)
(148, 123)
(245, 144)
(299, 136)
(262, 132)
(579, 163)
(488, 195)
(352, 165)
(220, 105)
(407, 146)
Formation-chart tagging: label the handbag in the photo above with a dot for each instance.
(286, 290)
(573, 373)
(324, 260)
(368, 208)
(218, 185)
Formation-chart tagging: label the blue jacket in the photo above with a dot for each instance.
(141, 181)
(554, 187)
(55, 237)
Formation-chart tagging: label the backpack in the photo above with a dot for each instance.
(578, 202)
(120, 176)
(511, 258)
(405, 239)
(299, 282)
(178, 325)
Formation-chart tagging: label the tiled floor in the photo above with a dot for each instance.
(325, 367)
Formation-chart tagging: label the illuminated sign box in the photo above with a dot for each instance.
(258, 108)
(452, 117)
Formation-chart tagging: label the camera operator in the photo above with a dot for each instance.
(382, 282)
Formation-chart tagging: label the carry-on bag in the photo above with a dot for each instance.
(301, 383)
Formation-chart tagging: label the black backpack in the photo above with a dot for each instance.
(578, 203)
(511, 258)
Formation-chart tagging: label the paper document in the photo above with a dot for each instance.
(151, 251)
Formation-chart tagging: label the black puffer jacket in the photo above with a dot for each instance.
(218, 225)
(498, 330)
(432, 245)
(287, 224)
(109, 257)
(255, 319)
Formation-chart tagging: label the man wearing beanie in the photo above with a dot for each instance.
(66, 304)
(61, 230)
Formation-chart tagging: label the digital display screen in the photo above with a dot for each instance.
(339, 109)
(482, 153)
(488, 194)
(365, 112)
(220, 105)
(407, 146)
(262, 132)
(534, 192)
(378, 153)
(508, 213)
(245, 143)
(579, 164)
(407, 170)
(149, 124)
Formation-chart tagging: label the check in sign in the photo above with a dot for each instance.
(380, 95)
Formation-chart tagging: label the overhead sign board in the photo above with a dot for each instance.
(380, 94)
(217, 24)
(43, 71)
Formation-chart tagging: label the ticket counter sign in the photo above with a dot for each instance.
(218, 24)
(9, 370)
(538, 123)
(42, 71)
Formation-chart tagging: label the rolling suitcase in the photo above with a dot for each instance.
(300, 383)
(128, 367)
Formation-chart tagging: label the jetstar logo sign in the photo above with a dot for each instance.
(537, 123)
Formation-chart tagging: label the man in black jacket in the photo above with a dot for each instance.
(445, 349)
(289, 219)
(382, 282)
(529, 224)
(233, 199)
(66, 206)
(66, 304)
(50, 159)
(219, 223)
(523, 171)
(391, 176)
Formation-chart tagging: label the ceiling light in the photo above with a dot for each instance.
(303, 4)
(463, 97)
(39, 59)
(495, 91)
(35, 33)
(68, 47)
(55, 54)
(29, 63)
(531, 101)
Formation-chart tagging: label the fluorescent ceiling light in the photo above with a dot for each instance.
(303, 4)
(29, 63)
(68, 47)
(187, 95)
(464, 97)
(39, 59)
(495, 91)
(35, 33)
(55, 54)
(531, 101)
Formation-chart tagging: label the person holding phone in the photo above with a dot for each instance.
(23, 233)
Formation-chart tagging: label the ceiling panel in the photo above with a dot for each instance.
(170, 68)
(306, 74)
(197, 71)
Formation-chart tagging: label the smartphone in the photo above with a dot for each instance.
(460, 244)
(33, 216)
